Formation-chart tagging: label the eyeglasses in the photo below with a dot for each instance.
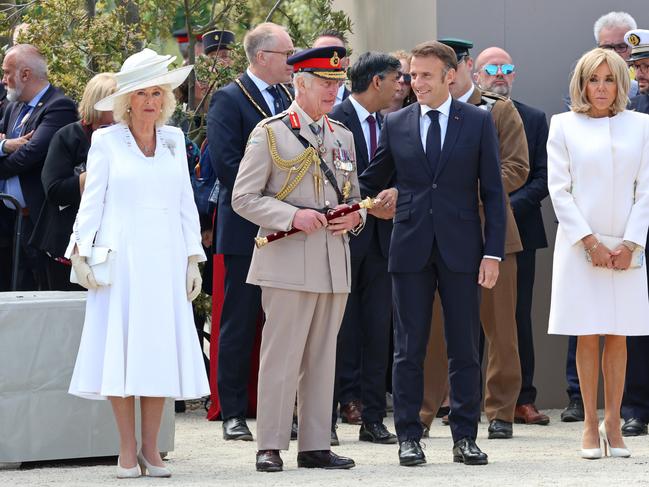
(640, 68)
(407, 79)
(288, 53)
(492, 69)
(619, 48)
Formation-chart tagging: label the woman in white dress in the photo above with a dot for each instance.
(139, 337)
(598, 178)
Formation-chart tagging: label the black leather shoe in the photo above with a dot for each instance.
(410, 453)
(500, 430)
(334, 436)
(294, 428)
(323, 459)
(574, 412)
(376, 433)
(269, 461)
(236, 429)
(634, 427)
(467, 452)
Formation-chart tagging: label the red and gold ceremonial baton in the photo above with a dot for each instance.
(367, 203)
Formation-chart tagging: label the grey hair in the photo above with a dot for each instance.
(308, 79)
(614, 19)
(259, 38)
(28, 56)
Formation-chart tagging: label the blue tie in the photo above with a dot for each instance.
(18, 125)
(433, 140)
(278, 103)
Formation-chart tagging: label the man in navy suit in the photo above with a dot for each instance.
(234, 111)
(37, 111)
(365, 330)
(526, 205)
(443, 155)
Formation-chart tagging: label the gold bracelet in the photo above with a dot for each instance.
(593, 248)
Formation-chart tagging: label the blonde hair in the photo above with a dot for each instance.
(585, 68)
(100, 86)
(122, 109)
(401, 54)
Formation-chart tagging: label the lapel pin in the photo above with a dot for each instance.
(456, 117)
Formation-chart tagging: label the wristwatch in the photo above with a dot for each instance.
(629, 245)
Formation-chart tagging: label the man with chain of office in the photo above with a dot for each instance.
(297, 166)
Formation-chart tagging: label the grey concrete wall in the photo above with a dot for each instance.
(545, 38)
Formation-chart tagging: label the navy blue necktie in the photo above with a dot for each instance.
(18, 124)
(433, 140)
(278, 103)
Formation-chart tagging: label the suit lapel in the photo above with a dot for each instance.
(357, 130)
(415, 138)
(452, 131)
(255, 94)
(40, 106)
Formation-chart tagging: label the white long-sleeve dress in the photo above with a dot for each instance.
(598, 178)
(139, 337)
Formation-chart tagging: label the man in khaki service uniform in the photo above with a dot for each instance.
(298, 164)
(498, 305)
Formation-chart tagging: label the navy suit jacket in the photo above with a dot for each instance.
(230, 119)
(526, 201)
(346, 114)
(441, 207)
(54, 110)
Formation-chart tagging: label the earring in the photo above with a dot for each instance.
(128, 110)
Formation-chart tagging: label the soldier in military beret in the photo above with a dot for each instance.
(297, 165)
(217, 44)
(498, 305)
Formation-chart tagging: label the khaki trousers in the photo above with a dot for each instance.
(503, 376)
(298, 354)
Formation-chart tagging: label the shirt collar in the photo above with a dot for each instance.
(444, 108)
(361, 111)
(259, 83)
(341, 92)
(34, 101)
(464, 98)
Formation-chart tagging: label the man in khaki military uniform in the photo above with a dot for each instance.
(297, 164)
(498, 305)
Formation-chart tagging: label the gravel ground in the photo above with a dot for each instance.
(537, 455)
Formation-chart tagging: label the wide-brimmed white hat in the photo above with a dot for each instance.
(143, 70)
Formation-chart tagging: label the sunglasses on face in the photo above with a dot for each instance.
(619, 48)
(407, 79)
(492, 69)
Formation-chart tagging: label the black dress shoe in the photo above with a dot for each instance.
(467, 452)
(634, 427)
(500, 430)
(410, 453)
(236, 429)
(294, 428)
(323, 459)
(574, 412)
(269, 461)
(334, 436)
(376, 433)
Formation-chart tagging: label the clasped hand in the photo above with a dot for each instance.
(309, 221)
(12, 145)
(618, 259)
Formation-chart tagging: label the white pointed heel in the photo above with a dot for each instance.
(152, 470)
(591, 453)
(615, 452)
(127, 473)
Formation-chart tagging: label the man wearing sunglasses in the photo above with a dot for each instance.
(495, 72)
(635, 403)
(498, 305)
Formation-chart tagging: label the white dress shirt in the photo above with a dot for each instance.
(339, 94)
(262, 85)
(362, 114)
(465, 98)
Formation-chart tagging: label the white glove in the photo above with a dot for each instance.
(194, 280)
(84, 272)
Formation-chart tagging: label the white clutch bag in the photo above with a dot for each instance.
(101, 262)
(637, 257)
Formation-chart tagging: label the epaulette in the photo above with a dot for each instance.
(494, 96)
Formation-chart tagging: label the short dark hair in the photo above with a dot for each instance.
(436, 49)
(368, 65)
(333, 33)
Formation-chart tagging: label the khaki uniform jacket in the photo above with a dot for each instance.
(318, 262)
(514, 157)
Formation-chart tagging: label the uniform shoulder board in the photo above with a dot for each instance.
(338, 123)
(494, 96)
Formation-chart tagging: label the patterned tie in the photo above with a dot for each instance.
(278, 103)
(433, 140)
(18, 124)
(372, 123)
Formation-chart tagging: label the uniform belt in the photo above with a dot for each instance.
(319, 210)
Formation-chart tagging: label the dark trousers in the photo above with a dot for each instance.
(31, 268)
(574, 392)
(241, 308)
(58, 277)
(364, 335)
(413, 297)
(526, 261)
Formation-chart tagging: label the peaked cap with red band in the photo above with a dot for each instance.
(324, 62)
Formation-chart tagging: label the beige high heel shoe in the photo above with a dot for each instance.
(615, 452)
(152, 470)
(127, 473)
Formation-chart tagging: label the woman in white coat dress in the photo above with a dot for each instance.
(598, 178)
(139, 337)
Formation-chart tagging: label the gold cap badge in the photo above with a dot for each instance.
(634, 39)
(335, 60)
